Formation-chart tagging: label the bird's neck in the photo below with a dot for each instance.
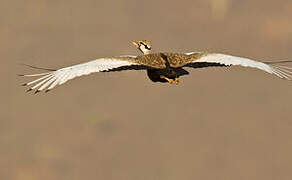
(145, 51)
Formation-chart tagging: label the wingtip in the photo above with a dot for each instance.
(25, 84)
(30, 89)
(48, 90)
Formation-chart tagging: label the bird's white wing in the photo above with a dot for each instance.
(53, 78)
(227, 60)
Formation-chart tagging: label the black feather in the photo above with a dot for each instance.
(29, 90)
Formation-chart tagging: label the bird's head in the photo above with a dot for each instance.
(143, 45)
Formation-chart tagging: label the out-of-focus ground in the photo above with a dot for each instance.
(219, 123)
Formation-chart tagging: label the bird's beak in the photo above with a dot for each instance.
(135, 43)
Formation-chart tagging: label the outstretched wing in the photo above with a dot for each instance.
(206, 60)
(53, 78)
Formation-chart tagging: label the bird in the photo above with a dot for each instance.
(163, 67)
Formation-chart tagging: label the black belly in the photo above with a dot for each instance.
(171, 73)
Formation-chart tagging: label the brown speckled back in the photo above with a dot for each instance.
(162, 60)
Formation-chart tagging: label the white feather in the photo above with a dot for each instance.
(61, 76)
(190, 53)
(129, 56)
(280, 71)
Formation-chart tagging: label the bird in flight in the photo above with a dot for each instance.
(164, 67)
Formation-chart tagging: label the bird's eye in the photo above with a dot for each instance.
(146, 46)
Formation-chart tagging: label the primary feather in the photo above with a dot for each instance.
(51, 79)
(228, 60)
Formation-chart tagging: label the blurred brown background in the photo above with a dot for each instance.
(219, 123)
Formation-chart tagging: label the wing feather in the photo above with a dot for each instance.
(53, 78)
(37, 80)
(42, 82)
(228, 60)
